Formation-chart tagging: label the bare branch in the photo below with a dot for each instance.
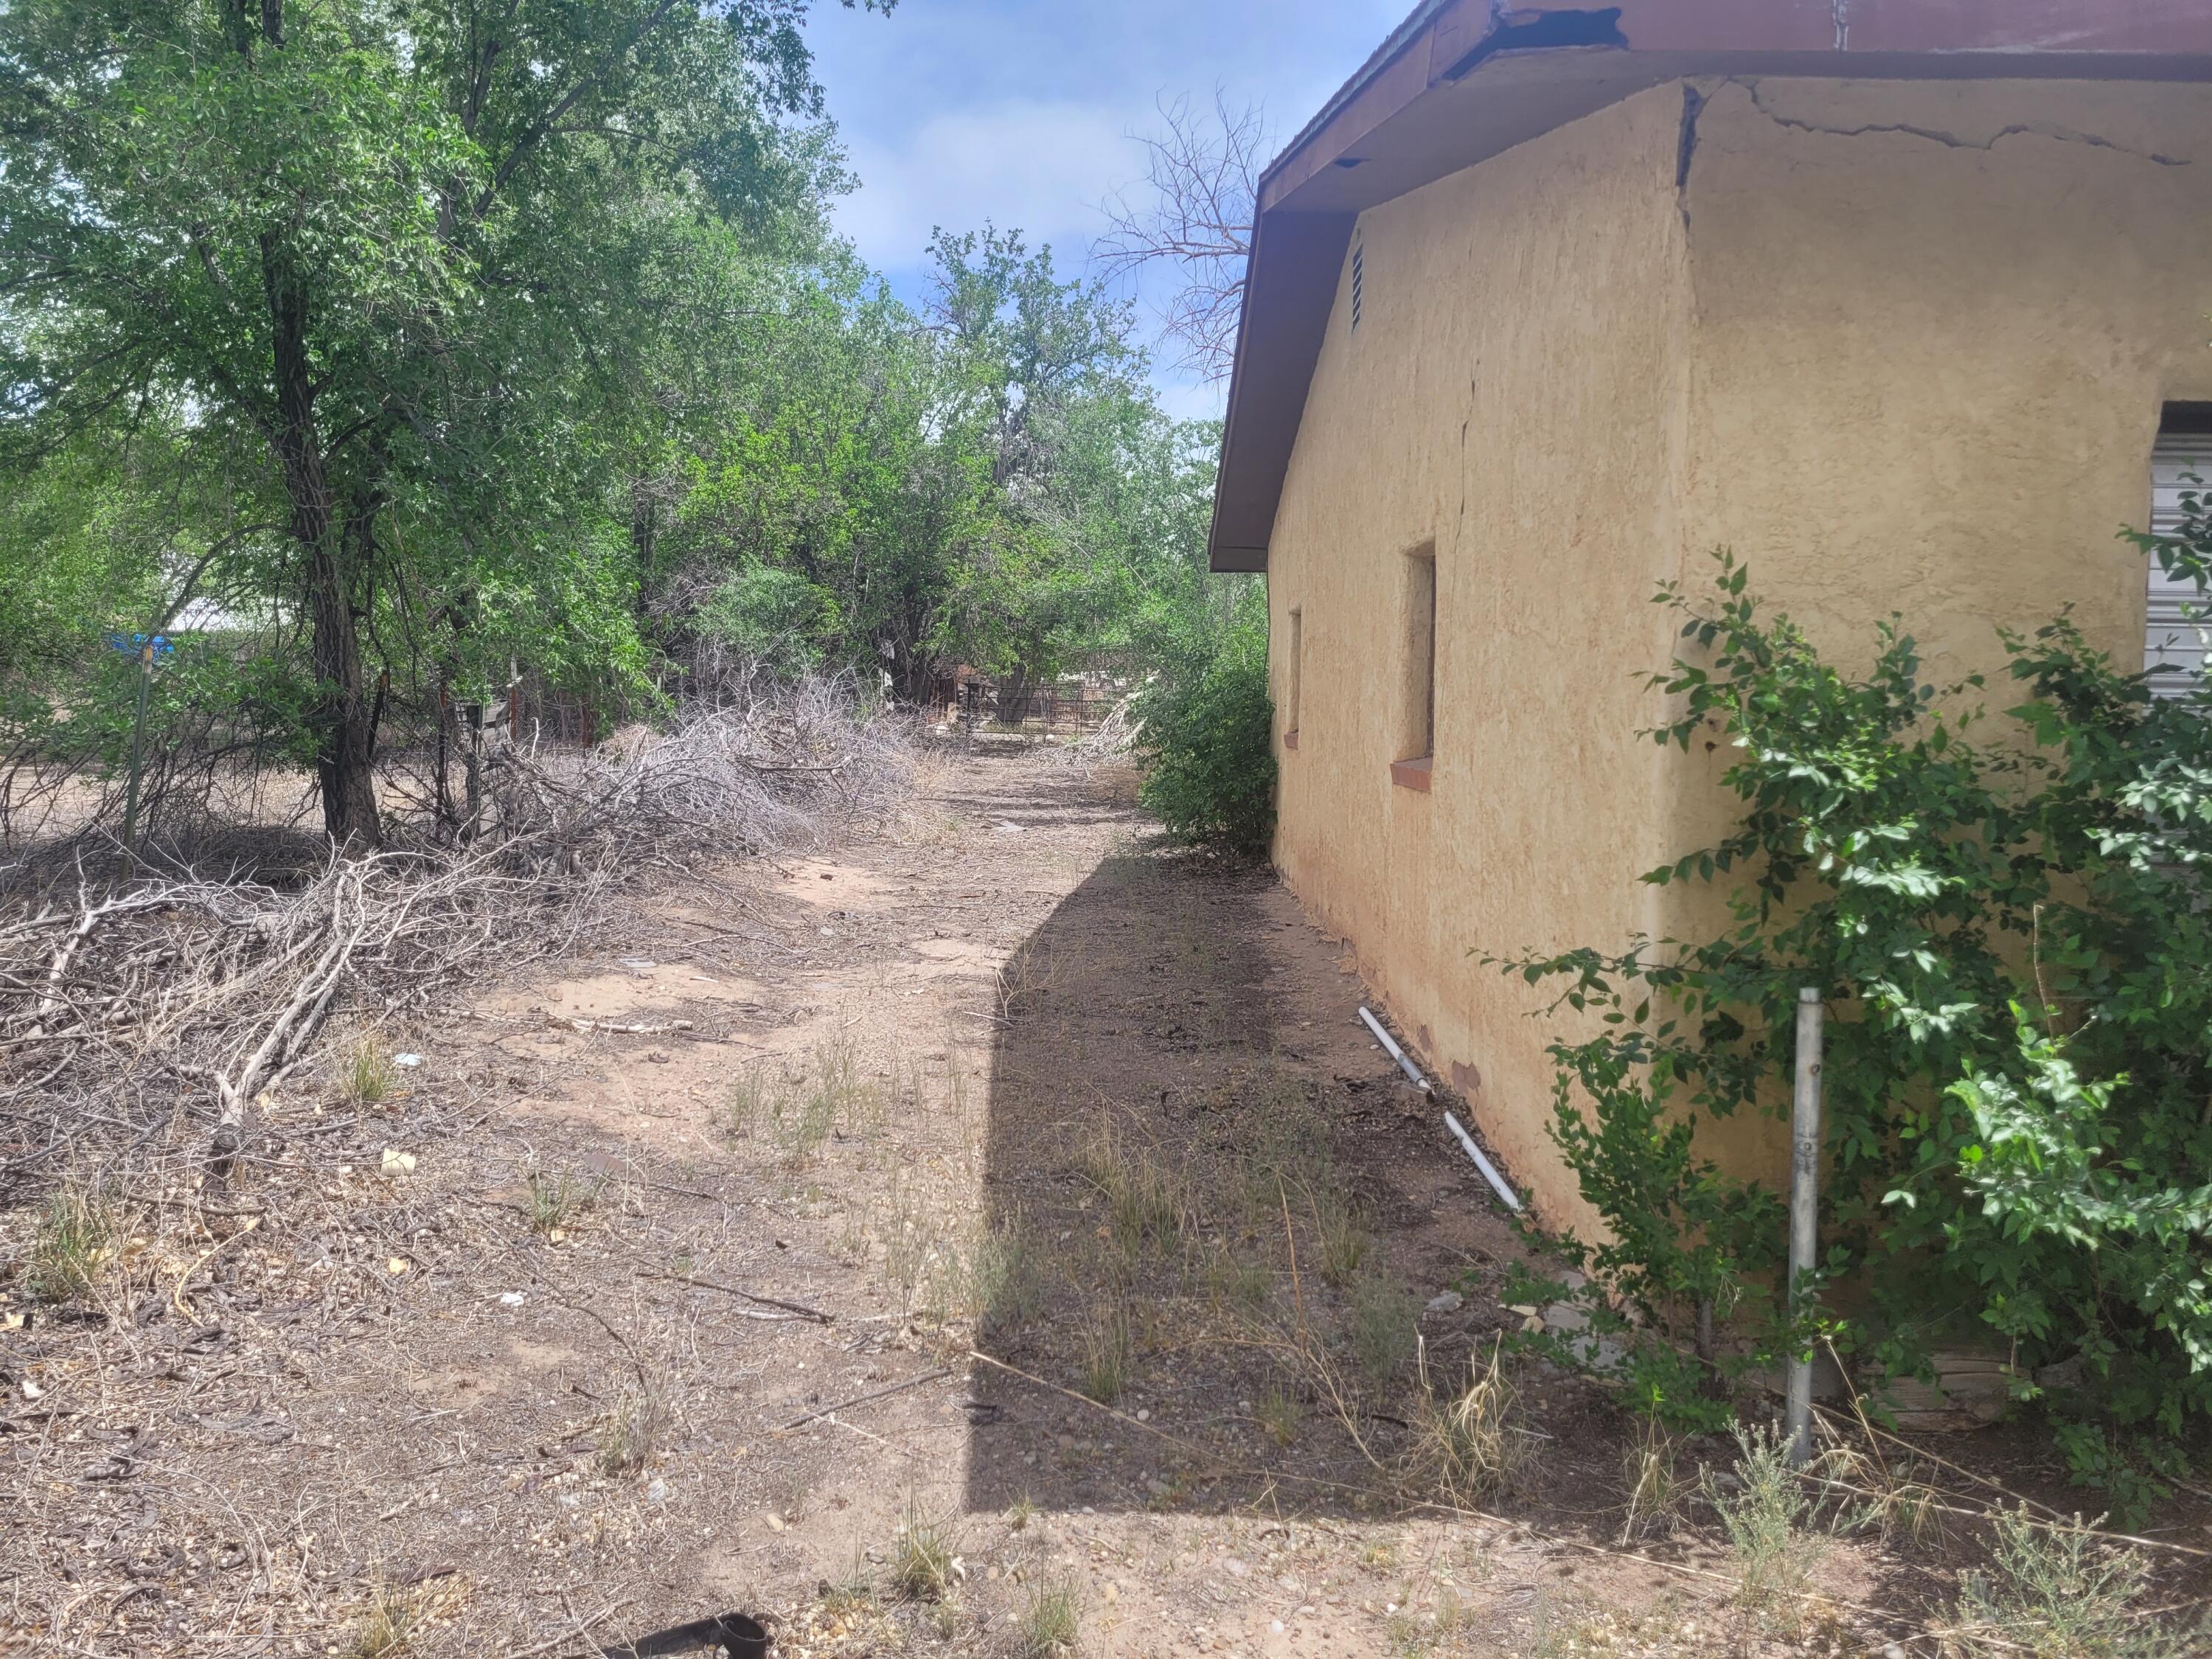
(1201, 177)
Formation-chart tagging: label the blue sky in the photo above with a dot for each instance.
(1021, 112)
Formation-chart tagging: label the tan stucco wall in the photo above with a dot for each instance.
(1892, 369)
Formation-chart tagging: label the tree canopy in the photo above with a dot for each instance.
(411, 345)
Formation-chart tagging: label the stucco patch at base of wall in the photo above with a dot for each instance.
(1901, 346)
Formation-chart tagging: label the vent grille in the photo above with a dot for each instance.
(1358, 282)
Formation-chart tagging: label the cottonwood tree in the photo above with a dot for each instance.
(903, 489)
(423, 256)
(1195, 216)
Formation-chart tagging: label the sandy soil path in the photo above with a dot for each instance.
(677, 1309)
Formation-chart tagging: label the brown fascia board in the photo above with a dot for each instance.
(1460, 81)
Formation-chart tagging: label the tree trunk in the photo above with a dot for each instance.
(1014, 695)
(345, 735)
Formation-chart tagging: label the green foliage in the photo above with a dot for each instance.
(2013, 939)
(1209, 739)
(410, 291)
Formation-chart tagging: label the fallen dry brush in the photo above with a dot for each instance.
(750, 773)
(146, 1017)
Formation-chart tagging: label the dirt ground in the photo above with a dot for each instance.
(1003, 1219)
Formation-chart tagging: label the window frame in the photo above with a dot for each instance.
(1414, 761)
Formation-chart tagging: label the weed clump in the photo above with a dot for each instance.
(799, 1114)
(1384, 1327)
(1106, 1355)
(556, 1200)
(1051, 1618)
(2060, 1593)
(1467, 1442)
(1235, 1283)
(925, 1558)
(1764, 1519)
(1147, 1208)
(78, 1233)
(637, 1425)
(1341, 1228)
(1279, 1415)
(367, 1073)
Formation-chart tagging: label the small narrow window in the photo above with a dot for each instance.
(2175, 631)
(1417, 745)
(1294, 677)
(1358, 282)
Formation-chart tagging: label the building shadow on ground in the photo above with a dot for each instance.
(1153, 1159)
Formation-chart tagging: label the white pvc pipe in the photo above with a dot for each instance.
(1505, 1193)
(1397, 1052)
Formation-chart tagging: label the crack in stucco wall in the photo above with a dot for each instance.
(1694, 99)
(1951, 140)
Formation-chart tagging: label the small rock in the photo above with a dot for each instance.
(657, 1492)
(1276, 1626)
(512, 1298)
(775, 1521)
(1450, 1302)
(407, 1062)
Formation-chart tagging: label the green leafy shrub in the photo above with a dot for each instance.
(1207, 745)
(2015, 940)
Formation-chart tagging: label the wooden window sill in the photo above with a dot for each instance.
(1412, 774)
(1290, 739)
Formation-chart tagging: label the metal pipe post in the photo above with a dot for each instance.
(137, 758)
(1804, 1209)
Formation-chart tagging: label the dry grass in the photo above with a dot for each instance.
(1279, 1414)
(1655, 1490)
(638, 1423)
(1341, 1231)
(79, 1232)
(1384, 1331)
(1050, 1620)
(555, 1201)
(1892, 1502)
(1467, 1442)
(1147, 1206)
(367, 1074)
(924, 1553)
(394, 1618)
(1108, 1350)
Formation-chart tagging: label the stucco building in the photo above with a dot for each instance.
(1903, 301)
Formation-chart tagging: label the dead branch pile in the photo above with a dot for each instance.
(757, 773)
(1113, 741)
(153, 1017)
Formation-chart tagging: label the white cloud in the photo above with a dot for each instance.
(1040, 167)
